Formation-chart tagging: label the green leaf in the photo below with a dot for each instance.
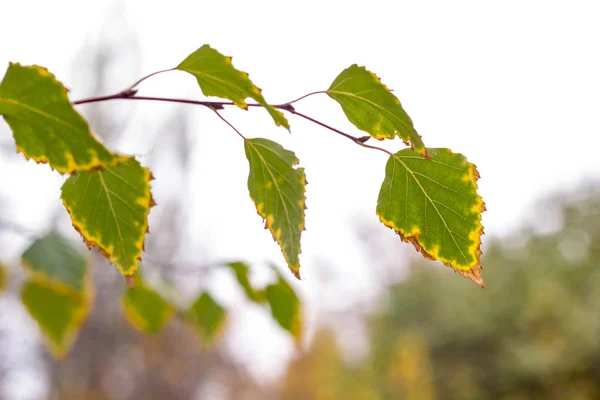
(45, 125)
(217, 76)
(145, 309)
(58, 293)
(277, 189)
(285, 306)
(58, 315)
(434, 205)
(3, 277)
(207, 317)
(58, 261)
(241, 272)
(110, 209)
(372, 107)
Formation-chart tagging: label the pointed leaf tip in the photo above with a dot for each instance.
(58, 292)
(285, 305)
(45, 125)
(130, 281)
(217, 76)
(144, 307)
(110, 208)
(372, 107)
(278, 191)
(207, 317)
(433, 204)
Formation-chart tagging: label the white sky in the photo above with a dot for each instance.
(513, 85)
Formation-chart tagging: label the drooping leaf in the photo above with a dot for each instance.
(241, 271)
(58, 315)
(277, 189)
(372, 107)
(110, 209)
(285, 306)
(45, 125)
(3, 277)
(145, 309)
(217, 76)
(434, 205)
(57, 261)
(58, 293)
(207, 317)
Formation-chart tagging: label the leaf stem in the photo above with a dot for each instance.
(305, 96)
(228, 123)
(132, 87)
(324, 125)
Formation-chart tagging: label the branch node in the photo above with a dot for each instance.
(130, 92)
(363, 139)
(216, 106)
(287, 107)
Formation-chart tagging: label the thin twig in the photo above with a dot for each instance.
(229, 123)
(220, 105)
(305, 96)
(132, 87)
(17, 228)
(217, 105)
(324, 125)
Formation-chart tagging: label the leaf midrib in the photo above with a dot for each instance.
(42, 113)
(279, 192)
(434, 206)
(383, 109)
(114, 215)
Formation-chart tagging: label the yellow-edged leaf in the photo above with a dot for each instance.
(433, 204)
(372, 107)
(144, 308)
(45, 125)
(110, 209)
(58, 292)
(217, 76)
(277, 189)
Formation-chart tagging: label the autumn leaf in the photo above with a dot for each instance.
(145, 308)
(45, 125)
(241, 272)
(207, 317)
(285, 306)
(58, 292)
(277, 189)
(372, 107)
(217, 76)
(433, 204)
(110, 209)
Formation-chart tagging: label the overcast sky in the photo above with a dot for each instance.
(513, 85)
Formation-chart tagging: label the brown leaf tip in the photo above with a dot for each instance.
(130, 280)
(297, 274)
(474, 273)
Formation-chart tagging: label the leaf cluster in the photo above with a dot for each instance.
(429, 196)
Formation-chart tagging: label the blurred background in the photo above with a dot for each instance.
(513, 86)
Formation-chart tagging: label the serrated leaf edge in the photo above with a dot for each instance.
(72, 166)
(472, 271)
(269, 220)
(258, 97)
(407, 141)
(92, 242)
(60, 351)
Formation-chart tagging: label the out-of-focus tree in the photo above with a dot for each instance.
(532, 333)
